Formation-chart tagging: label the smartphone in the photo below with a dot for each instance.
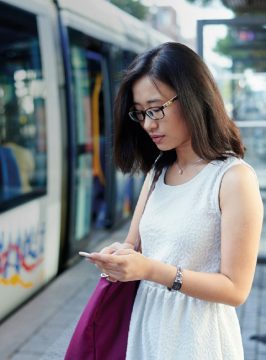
(83, 253)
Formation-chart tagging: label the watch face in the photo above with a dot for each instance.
(177, 286)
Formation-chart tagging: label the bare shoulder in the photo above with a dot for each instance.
(239, 174)
(239, 182)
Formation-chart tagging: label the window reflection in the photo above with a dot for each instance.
(236, 55)
(22, 113)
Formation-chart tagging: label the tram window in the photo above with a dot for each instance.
(89, 115)
(23, 155)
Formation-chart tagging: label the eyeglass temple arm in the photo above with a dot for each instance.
(169, 102)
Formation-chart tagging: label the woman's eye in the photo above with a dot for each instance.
(153, 111)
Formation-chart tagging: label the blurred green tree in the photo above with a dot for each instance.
(133, 7)
(245, 47)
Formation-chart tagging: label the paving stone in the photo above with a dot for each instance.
(41, 341)
(26, 356)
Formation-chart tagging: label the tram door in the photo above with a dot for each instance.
(87, 138)
(235, 52)
(96, 68)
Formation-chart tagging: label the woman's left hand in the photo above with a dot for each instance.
(123, 265)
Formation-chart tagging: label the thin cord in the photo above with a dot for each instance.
(181, 170)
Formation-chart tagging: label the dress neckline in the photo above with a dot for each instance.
(188, 182)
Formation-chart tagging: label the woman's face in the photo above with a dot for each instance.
(168, 133)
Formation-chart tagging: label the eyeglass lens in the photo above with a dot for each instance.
(153, 113)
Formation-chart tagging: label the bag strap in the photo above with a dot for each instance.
(137, 246)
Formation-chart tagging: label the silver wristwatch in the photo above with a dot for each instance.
(177, 284)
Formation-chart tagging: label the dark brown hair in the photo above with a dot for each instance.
(213, 134)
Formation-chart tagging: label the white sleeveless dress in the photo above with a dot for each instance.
(181, 226)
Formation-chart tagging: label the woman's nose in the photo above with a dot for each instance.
(149, 124)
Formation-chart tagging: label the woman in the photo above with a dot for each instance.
(201, 226)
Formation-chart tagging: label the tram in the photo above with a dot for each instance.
(59, 70)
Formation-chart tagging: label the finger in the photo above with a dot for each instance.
(112, 248)
(96, 263)
(107, 250)
(110, 262)
(124, 252)
(102, 264)
(100, 257)
(108, 259)
(108, 276)
(101, 267)
(117, 275)
(111, 270)
(127, 246)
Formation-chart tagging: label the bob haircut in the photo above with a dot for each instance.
(214, 136)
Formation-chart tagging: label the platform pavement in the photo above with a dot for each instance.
(41, 329)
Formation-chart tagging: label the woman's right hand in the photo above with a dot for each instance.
(112, 249)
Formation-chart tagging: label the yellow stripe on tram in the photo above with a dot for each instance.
(97, 166)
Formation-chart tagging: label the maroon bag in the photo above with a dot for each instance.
(102, 330)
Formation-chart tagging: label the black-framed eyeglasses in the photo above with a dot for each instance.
(154, 113)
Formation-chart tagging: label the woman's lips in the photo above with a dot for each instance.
(157, 138)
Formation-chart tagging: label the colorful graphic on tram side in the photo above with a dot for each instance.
(21, 254)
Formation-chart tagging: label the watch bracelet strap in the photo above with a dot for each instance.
(177, 284)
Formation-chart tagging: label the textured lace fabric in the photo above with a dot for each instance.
(181, 226)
